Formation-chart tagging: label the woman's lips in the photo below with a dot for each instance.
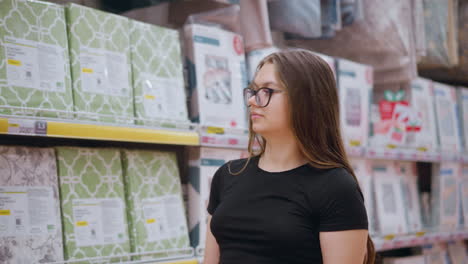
(255, 115)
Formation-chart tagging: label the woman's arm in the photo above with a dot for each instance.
(343, 246)
(211, 246)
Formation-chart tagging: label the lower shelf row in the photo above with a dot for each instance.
(75, 204)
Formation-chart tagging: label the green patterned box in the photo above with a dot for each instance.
(34, 62)
(31, 231)
(154, 196)
(158, 80)
(93, 203)
(100, 64)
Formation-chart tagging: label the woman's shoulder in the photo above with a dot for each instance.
(330, 177)
(236, 166)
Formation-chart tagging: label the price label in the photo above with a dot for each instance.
(27, 127)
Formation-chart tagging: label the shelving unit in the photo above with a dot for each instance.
(90, 131)
(416, 240)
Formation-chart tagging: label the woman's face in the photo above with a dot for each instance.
(274, 118)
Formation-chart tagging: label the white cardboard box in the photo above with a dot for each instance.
(388, 198)
(457, 252)
(409, 183)
(354, 89)
(217, 76)
(420, 259)
(254, 57)
(445, 195)
(464, 195)
(447, 121)
(203, 163)
(422, 101)
(363, 171)
(462, 95)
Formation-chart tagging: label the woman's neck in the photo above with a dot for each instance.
(281, 154)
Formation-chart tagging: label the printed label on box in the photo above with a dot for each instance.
(27, 211)
(104, 72)
(98, 221)
(34, 65)
(160, 96)
(164, 217)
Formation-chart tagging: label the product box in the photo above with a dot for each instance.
(388, 198)
(404, 116)
(464, 195)
(100, 65)
(354, 89)
(422, 131)
(462, 95)
(446, 177)
(407, 173)
(457, 252)
(255, 57)
(328, 59)
(363, 171)
(203, 163)
(418, 259)
(156, 214)
(158, 78)
(31, 228)
(34, 60)
(436, 253)
(217, 76)
(447, 118)
(93, 203)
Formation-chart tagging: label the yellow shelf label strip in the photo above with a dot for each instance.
(113, 133)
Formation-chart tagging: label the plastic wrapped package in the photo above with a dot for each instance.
(300, 17)
(255, 25)
(29, 32)
(226, 18)
(351, 10)
(419, 30)
(31, 228)
(441, 33)
(330, 17)
(382, 39)
(459, 73)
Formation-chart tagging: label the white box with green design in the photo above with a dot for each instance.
(100, 65)
(93, 203)
(156, 214)
(158, 80)
(203, 163)
(30, 226)
(34, 62)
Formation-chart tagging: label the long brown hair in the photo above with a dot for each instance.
(311, 88)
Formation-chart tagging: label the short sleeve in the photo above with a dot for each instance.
(215, 191)
(342, 206)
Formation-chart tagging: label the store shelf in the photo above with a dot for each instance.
(183, 256)
(211, 136)
(408, 155)
(91, 131)
(416, 240)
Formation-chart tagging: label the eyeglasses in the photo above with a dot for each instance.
(262, 96)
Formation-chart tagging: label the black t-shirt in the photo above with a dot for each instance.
(275, 217)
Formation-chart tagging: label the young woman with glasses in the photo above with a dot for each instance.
(296, 200)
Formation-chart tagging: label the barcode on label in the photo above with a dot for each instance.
(18, 221)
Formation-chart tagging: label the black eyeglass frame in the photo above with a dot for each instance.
(255, 92)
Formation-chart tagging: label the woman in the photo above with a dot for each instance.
(298, 200)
